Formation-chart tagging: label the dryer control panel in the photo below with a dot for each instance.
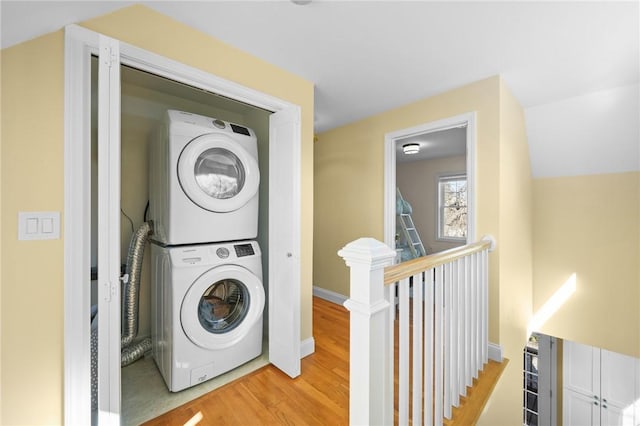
(191, 119)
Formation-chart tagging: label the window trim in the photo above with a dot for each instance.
(439, 228)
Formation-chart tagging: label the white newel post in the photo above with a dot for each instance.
(371, 382)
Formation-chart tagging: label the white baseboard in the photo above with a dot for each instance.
(329, 295)
(495, 352)
(307, 347)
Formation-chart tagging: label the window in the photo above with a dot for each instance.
(452, 207)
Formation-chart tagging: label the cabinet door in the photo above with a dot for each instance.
(616, 416)
(579, 409)
(619, 379)
(581, 368)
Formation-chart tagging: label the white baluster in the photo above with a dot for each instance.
(485, 306)
(474, 315)
(389, 379)
(417, 350)
(462, 349)
(438, 343)
(448, 282)
(403, 352)
(455, 333)
(428, 346)
(468, 323)
(478, 324)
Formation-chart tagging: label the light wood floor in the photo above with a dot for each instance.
(319, 396)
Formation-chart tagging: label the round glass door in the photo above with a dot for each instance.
(223, 306)
(217, 173)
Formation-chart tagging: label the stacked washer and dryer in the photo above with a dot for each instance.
(207, 297)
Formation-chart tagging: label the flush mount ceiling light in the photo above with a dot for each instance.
(301, 2)
(411, 148)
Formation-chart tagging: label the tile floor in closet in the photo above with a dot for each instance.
(145, 395)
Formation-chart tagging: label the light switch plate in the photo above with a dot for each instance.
(38, 225)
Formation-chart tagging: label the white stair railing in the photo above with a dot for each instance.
(442, 316)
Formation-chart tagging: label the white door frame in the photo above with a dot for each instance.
(467, 119)
(80, 44)
(108, 231)
(547, 379)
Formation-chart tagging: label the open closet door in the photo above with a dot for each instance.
(284, 241)
(109, 232)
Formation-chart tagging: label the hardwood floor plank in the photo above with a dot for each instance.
(319, 396)
(472, 405)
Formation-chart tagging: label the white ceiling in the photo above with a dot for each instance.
(367, 57)
(438, 144)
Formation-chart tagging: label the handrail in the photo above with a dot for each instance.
(395, 273)
(445, 348)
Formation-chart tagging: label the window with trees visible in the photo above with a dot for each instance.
(452, 207)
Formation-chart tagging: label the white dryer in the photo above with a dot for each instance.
(207, 309)
(203, 180)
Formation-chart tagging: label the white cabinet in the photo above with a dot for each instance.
(599, 387)
(579, 409)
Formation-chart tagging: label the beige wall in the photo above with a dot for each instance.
(32, 273)
(418, 183)
(349, 181)
(515, 246)
(32, 180)
(589, 225)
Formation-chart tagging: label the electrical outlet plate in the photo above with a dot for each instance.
(38, 226)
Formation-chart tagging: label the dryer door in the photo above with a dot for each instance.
(218, 174)
(221, 306)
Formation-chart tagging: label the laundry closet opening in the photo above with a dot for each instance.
(145, 100)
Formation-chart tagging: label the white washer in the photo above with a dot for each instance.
(206, 310)
(203, 180)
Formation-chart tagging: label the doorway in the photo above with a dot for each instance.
(432, 184)
(432, 168)
(283, 215)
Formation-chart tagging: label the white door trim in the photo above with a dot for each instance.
(80, 43)
(108, 232)
(547, 379)
(468, 119)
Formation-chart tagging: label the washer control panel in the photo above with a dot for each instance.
(213, 254)
(222, 252)
(244, 250)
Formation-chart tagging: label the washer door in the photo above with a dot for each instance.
(217, 174)
(221, 306)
